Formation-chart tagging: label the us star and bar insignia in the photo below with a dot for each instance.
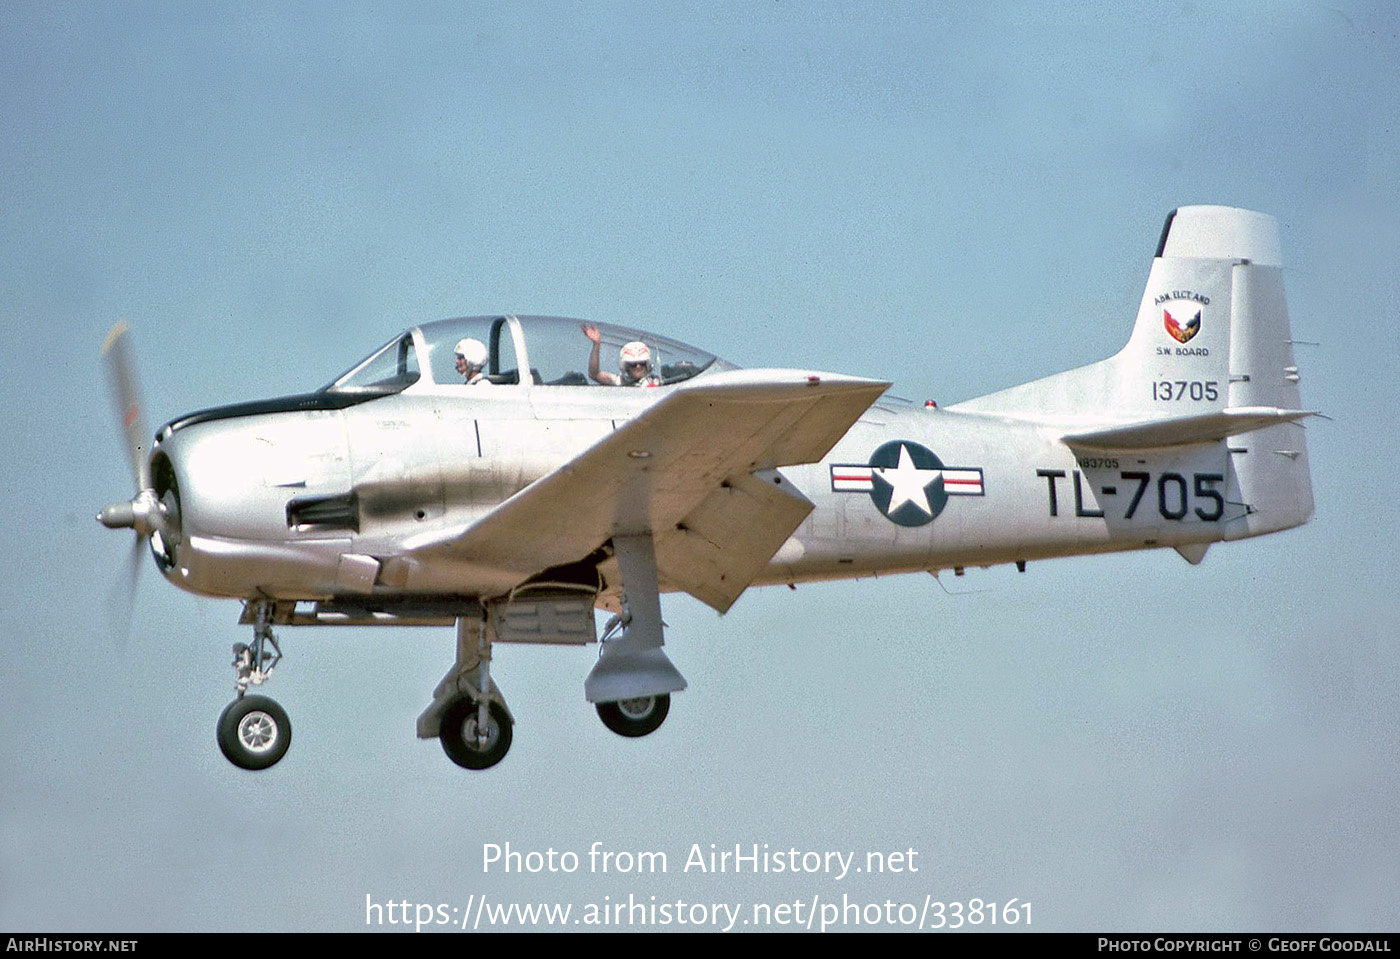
(907, 482)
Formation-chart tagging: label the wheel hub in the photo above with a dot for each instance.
(478, 738)
(637, 708)
(257, 731)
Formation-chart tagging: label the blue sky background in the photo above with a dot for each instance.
(952, 197)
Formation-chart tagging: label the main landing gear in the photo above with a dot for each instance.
(631, 684)
(468, 715)
(254, 732)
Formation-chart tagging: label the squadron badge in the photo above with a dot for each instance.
(1182, 311)
(1182, 330)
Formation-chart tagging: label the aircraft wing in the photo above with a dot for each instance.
(697, 470)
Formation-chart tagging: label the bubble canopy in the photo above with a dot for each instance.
(554, 349)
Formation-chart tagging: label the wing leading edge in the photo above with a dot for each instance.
(697, 471)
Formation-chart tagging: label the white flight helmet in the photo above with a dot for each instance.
(473, 351)
(634, 352)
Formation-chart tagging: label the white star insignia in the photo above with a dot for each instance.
(907, 482)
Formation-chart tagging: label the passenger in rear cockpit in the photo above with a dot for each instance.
(633, 362)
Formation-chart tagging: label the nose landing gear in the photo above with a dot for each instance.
(254, 731)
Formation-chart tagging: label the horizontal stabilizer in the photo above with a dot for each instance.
(1184, 430)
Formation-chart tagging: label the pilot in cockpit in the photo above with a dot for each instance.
(633, 362)
(470, 362)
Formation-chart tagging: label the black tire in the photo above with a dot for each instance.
(254, 732)
(635, 717)
(458, 735)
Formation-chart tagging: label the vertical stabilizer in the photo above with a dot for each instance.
(1210, 355)
(1177, 359)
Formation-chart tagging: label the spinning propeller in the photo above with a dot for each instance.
(154, 511)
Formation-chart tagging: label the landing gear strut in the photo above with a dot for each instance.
(254, 732)
(631, 684)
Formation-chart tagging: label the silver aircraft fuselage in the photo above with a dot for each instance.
(278, 504)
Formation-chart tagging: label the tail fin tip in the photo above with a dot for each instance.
(1221, 233)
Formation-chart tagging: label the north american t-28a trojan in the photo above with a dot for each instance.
(471, 473)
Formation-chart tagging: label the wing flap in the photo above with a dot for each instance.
(717, 550)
